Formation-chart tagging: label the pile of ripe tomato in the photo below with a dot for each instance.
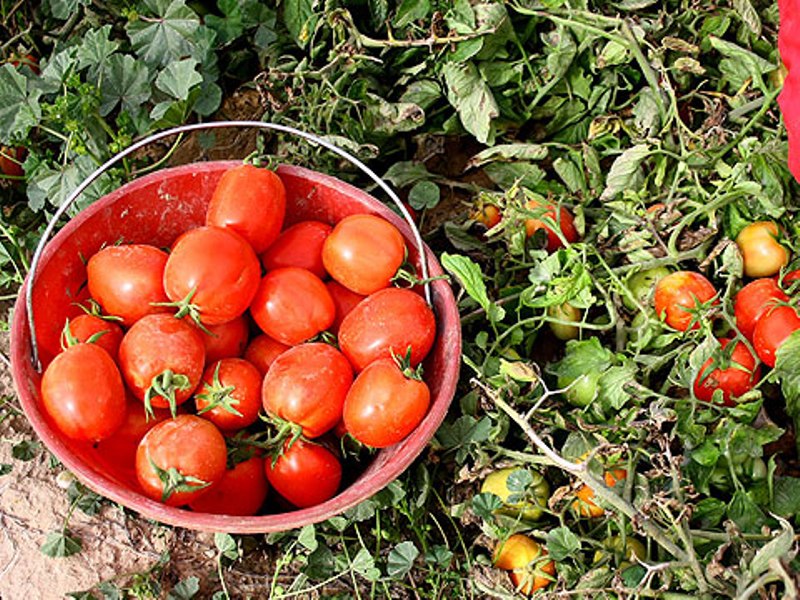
(228, 365)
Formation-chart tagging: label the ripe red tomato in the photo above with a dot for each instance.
(388, 321)
(241, 491)
(226, 340)
(363, 253)
(292, 305)
(215, 271)
(752, 301)
(307, 385)
(180, 459)
(679, 293)
(82, 391)
(299, 246)
(104, 333)
(126, 280)
(161, 359)
(385, 404)
(252, 202)
(762, 253)
(772, 329)
(262, 351)
(735, 375)
(11, 160)
(564, 219)
(305, 474)
(229, 386)
(344, 300)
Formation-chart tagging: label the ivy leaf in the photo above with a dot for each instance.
(401, 559)
(226, 545)
(472, 98)
(424, 194)
(64, 9)
(624, 170)
(59, 544)
(229, 27)
(177, 78)
(562, 543)
(364, 564)
(126, 81)
(167, 36)
(307, 538)
(19, 106)
(300, 17)
(470, 277)
(95, 50)
(320, 563)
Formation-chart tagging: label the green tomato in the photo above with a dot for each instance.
(584, 389)
(535, 498)
(564, 312)
(641, 285)
(627, 550)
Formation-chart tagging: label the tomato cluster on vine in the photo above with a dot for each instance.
(228, 365)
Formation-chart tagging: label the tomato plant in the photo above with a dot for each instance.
(250, 201)
(528, 503)
(241, 491)
(162, 359)
(180, 459)
(762, 253)
(292, 305)
(777, 324)
(299, 246)
(385, 403)
(305, 473)
(584, 503)
(733, 373)
(642, 285)
(562, 217)
(128, 280)
(83, 393)
(753, 300)
(678, 296)
(307, 385)
(363, 253)
(229, 394)
(211, 274)
(388, 322)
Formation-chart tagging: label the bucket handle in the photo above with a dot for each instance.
(197, 127)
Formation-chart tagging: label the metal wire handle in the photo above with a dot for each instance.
(195, 127)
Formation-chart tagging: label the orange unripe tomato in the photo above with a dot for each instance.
(523, 557)
(564, 219)
(762, 253)
(584, 503)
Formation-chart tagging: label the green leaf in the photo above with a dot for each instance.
(424, 194)
(60, 544)
(470, 277)
(472, 99)
(25, 450)
(505, 175)
(229, 27)
(177, 78)
(624, 170)
(320, 564)
(5, 469)
(126, 81)
(167, 34)
(110, 591)
(19, 106)
(364, 564)
(485, 504)
(401, 559)
(64, 9)
(749, 15)
(570, 174)
(787, 371)
(786, 497)
(95, 49)
(508, 152)
(185, 589)
(393, 117)
(612, 390)
(562, 543)
(709, 512)
(410, 11)
(439, 556)
(777, 548)
(226, 545)
(422, 92)
(308, 538)
(404, 173)
(581, 357)
(747, 515)
(300, 17)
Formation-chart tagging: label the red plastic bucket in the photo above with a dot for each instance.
(155, 209)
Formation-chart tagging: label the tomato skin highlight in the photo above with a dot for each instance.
(363, 252)
(241, 491)
(734, 381)
(299, 246)
(677, 294)
(305, 474)
(126, 280)
(753, 301)
(245, 397)
(157, 343)
(383, 405)
(218, 268)
(83, 327)
(771, 331)
(226, 340)
(262, 351)
(307, 385)
(292, 305)
(83, 393)
(389, 321)
(762, 254)
(187, 443)
(564, 219)
(250, 201)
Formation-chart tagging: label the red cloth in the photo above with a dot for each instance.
(789, 98)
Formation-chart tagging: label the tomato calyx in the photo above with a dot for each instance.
(285, 435)
(218, 395)
(187, 309)
(403, 362)
(175, 482)
(165, 385)
(68, 339)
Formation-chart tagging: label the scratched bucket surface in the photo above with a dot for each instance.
(155, 209)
